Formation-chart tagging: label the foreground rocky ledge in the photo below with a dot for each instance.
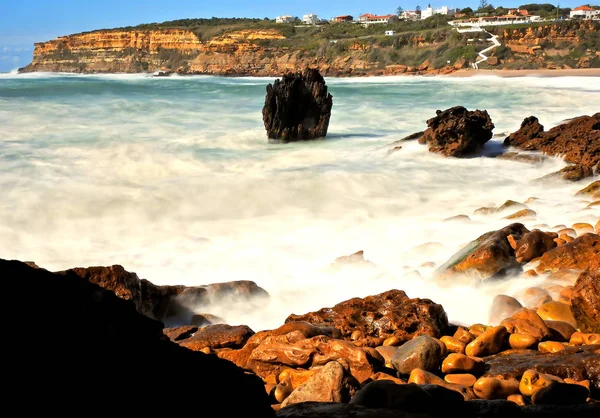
(382, 355)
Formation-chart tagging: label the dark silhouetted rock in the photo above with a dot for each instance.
(173, 305)
(76, 348)
(457, 132)
(297, 107)
(585, 299)
(578, 141)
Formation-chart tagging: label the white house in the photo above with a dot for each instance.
(429, 11)
(284, 19)
(584, 12)
(310, 19)
(368, 19)
(390, 32)
(409, 15)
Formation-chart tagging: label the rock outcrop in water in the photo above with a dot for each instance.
(578, 141)
(458, 132)
(297, 107)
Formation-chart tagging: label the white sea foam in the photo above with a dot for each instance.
(177, 182)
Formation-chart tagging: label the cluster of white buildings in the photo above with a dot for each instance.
(513, 16)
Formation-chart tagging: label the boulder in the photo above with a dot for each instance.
(574, 255)
(175, 305)
(381, 316)
(297, 107)
(458, 132)
(85, 343)
(585, 299)
(490, 255)
(577, 140)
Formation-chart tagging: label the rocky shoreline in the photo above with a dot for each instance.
(108, 340)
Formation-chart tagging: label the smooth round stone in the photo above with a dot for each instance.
(532, 381)
(582, 227)
(460, 363)
(557, 393)
(566, 294)
(556, 311)
(503, 306)
(550, 347)
(356, 335)
(464, 335)
(282, 391)
(579, 338)
(518, 399)
(559, 241)
(566, 238)
(422, 377)
(453, 345)
(462, 379)
(393, 341)
(478, 329)
(561, 331)
(422, 352)
(488, 343)
(530, 273)
(522, 340)
(495, 388)
(568, 231)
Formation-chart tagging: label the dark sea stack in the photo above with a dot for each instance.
(585, 300)
(75, 348)
(458, 132)
(297, 107)
(577, 140)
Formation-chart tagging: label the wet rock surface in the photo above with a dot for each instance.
(297, 107)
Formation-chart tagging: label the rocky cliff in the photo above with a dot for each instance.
(268, 52)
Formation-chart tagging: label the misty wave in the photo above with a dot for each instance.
(180, 185)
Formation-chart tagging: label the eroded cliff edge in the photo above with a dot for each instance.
(272, 51)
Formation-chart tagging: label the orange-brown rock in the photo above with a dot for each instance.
(490, 342)
(579, 363)
(590, 189)
(578, 141)
(422, 352)
(453, 345)
(388, 314)
(488, 256)
(576, 254)
(565, 295)
(522, 340)
(462, 379)
(423, 377)
(518, 399)
(561, 331)
(582, 227)
(460, 363)
(464, 335)
(523, 213)
(386, 376)
(527, 321)
(533, 244)
(556, 311)
(585, 298)
(218, 336)
(329, 384)
(477, 329)
(495, 388)
(533, 381)
(580, 338)
(551, 347)
(295, 377)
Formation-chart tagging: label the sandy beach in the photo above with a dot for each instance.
(586, 72)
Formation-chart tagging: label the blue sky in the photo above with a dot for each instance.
(23, 22)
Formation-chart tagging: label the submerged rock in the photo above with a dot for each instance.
(297, 107)
(457, 132)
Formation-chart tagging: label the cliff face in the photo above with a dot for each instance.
(267, 52)
(112, 51)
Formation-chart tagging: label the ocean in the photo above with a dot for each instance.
(175, 180)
